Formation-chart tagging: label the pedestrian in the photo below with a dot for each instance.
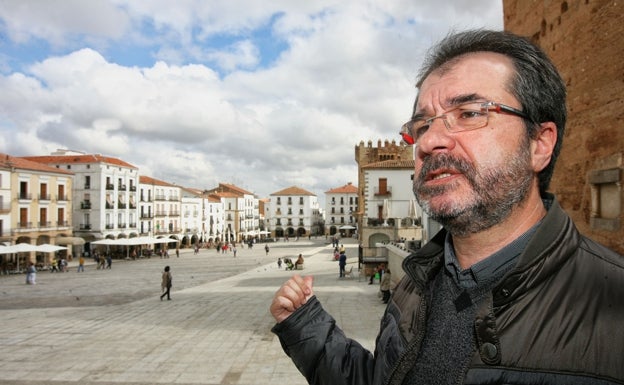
(31, 274)
(63, 265)
(279, 263)
(54, 266)
(81, 262)
(166, 283)
(109, 260)
(342, 262)
(266, 249)
(508, 291)
(234, 251)
(385, 286)
(178, 252)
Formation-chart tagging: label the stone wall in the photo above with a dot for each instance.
(585, 40)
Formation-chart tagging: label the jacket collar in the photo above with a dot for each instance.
(543, 255)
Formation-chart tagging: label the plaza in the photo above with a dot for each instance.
(110, 327)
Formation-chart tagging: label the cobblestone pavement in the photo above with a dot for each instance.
(109, 326)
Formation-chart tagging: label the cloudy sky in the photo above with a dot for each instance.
(261, 94)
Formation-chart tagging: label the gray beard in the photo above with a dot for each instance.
(496, 192)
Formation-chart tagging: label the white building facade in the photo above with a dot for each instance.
(293, 212)
(105, 194)
(340, 207)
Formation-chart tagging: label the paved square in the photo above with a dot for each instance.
(109, 326)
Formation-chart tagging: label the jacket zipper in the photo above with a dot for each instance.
(411, 350)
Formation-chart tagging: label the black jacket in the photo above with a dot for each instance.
(556, 318)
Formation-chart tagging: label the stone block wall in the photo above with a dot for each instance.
(585, 39)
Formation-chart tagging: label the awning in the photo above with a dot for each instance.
(134, 241)
(70, 241)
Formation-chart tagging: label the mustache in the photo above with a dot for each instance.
(445, 161)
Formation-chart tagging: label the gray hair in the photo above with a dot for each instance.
(537, 84)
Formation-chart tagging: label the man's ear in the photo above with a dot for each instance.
(543, 145)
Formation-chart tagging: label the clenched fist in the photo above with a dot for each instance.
(291, 296)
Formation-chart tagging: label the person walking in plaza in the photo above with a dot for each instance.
(342, 263)
(109, 261)
(166, 283)
(54, 266)
(81, 262)
(31, 274)
(508, 291)
(266, 249)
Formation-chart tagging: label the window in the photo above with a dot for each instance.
(383, 185)
(43, 217)
(43, 192)
(606, 198)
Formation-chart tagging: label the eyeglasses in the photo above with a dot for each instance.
(465, 117)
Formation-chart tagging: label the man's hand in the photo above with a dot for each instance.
(291, 296)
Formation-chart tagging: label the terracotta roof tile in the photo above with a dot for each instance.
(293, 190)
(23, 163)
(349, 188)
(79, 159)
(235, 188)
(395, 164)
(144, 179)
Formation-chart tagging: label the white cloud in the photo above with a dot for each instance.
(204, 114)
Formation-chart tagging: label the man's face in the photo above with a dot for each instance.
(469, 181)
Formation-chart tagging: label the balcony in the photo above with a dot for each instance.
(86, 205)
(383, 192)
(87, 187)
(45, 224)
(24, 196)
(121, 205)
(110, 186)
(62, 198)
(109, 206)
(62, 223)
(85, 226)
(121, 187)
(25, 225)
(109, 226)
(132, 188)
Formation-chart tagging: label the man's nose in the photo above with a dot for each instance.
(437, 136)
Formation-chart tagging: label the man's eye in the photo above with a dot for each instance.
(420, 130)
(471, 114)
